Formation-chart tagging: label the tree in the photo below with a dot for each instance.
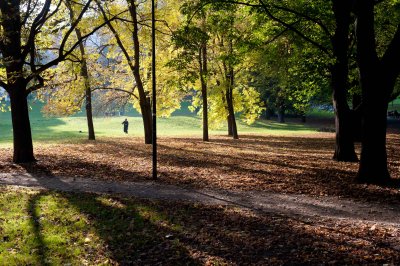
(378, 75)
(191, 41)
(316, 24)
(84, 72)
(22, 26)
(134, 62)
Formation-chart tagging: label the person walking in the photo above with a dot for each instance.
(126, 125)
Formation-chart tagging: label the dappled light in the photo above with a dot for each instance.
(291, 164)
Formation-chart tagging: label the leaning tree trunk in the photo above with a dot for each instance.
(232, 127)
(23, 147)
(85, 75)
(88, 91)
(145, 105)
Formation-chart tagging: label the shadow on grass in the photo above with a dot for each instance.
(129, 237)
(134, 233)
(35, 222)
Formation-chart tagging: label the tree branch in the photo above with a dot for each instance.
(4, 85)
(290, 27)
(62, 56)
(131, 93)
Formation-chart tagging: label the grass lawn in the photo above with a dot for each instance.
(67, 129)
(51, 228)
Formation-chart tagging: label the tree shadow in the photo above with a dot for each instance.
(35, 223)
(194, 234)
(130, 238)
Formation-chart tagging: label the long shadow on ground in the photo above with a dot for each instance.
(187, 234)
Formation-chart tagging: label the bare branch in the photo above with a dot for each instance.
(131, 93)
(63, 56)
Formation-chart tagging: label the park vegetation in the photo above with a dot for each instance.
(231, 59)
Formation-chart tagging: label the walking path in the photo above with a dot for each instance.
(302, 206)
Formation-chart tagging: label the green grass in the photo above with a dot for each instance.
(74, 128)
(50, 228)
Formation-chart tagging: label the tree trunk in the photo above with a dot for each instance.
(147, 118)
(145, 105)
(373, 164)
(377, 80)
(203, 80)
(11, 50)
(229, 120)
(344, 145)
(281, 114)
(88, 91)
(85, 75)
(23, 147)
(232, 128)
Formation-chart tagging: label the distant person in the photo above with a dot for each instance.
(396, 114)
(126, 125)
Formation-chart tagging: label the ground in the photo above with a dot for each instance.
(300, 164)
(331, 219)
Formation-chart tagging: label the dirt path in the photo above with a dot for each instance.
(300, 206)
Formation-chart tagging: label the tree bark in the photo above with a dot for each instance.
(281, 113)
(230, 82)
(88, 91)
(144, 100)
(232, 127)
(11, 50)
(23, 147)
(377, 79)
(85, 75)
(203, 80)
(344, 144)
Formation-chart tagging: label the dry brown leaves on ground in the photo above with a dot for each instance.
(289, 164)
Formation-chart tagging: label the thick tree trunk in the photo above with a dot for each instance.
(344, 145)
(23, 147)
(13, 61)
(229, 121)
(147, 118)
(377, 81)
(373, 164)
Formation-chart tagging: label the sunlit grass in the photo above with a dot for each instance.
(49, 228)
(67, 129)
